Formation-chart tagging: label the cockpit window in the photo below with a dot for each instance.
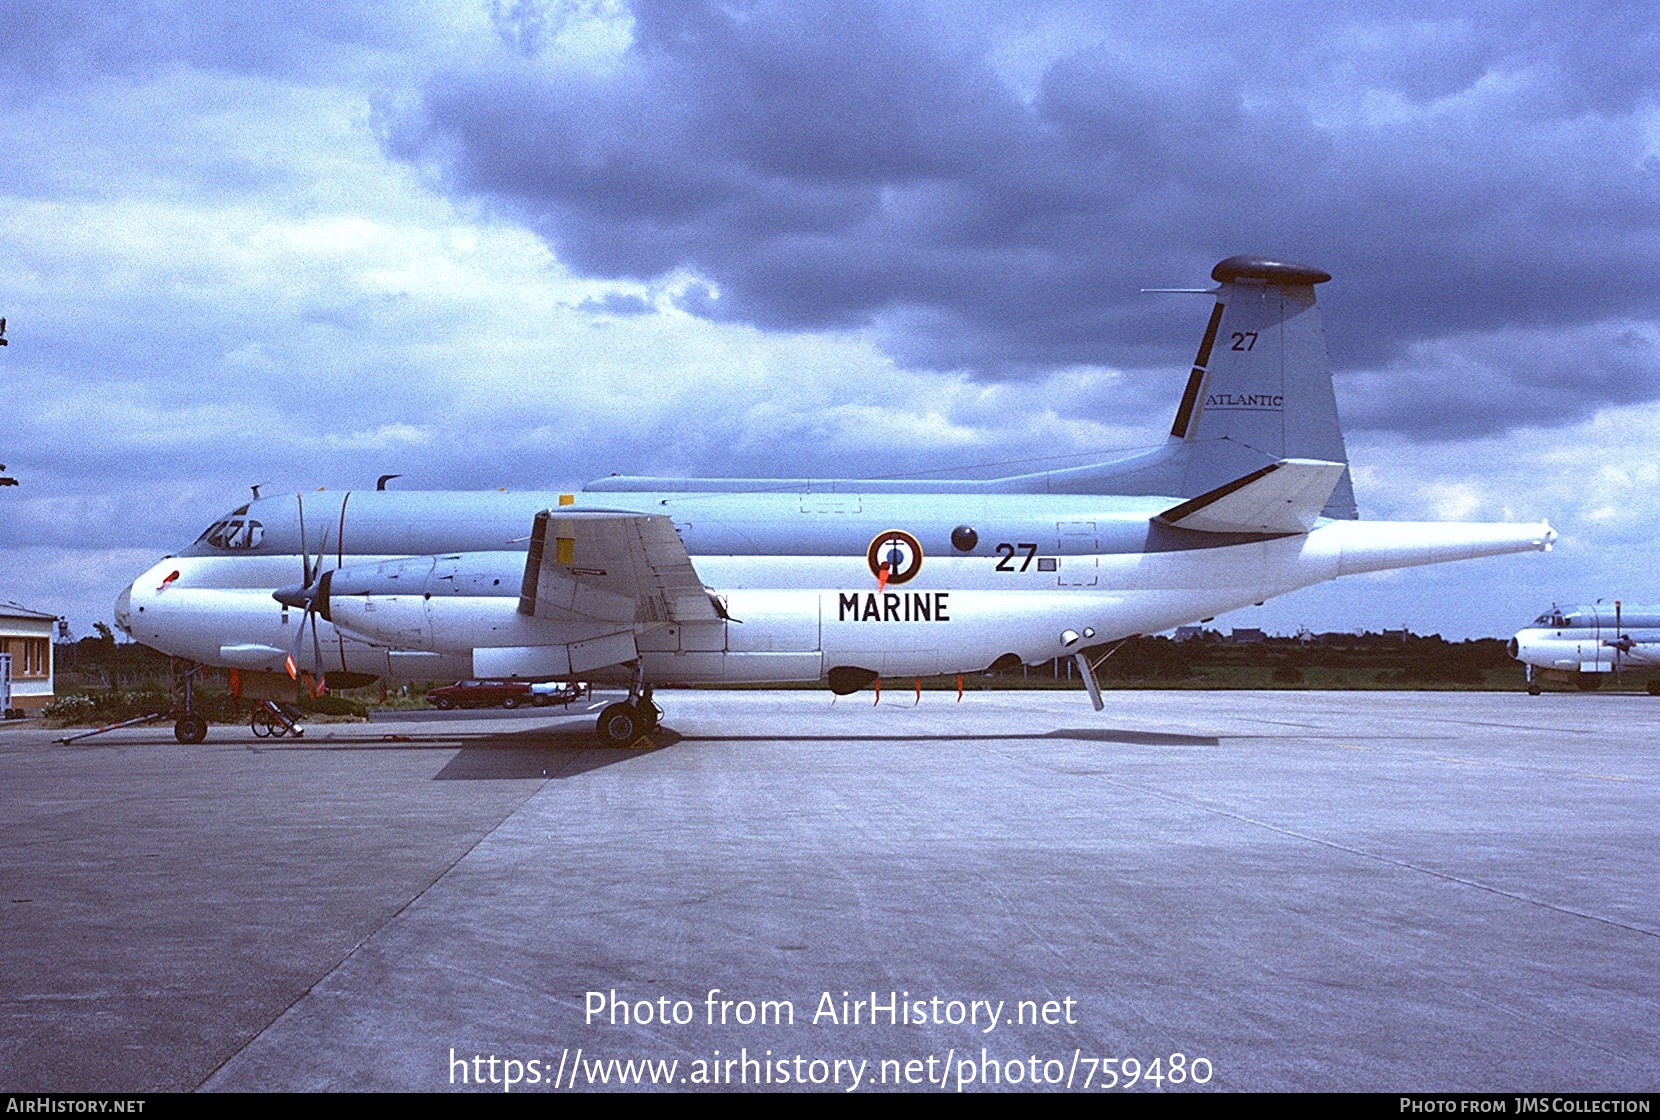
(235, 533)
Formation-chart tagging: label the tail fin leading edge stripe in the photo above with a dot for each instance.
(1190, 396)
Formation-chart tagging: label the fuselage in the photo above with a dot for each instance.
(1027, 576)
(1592, 639)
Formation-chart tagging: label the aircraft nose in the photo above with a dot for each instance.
(124, 612)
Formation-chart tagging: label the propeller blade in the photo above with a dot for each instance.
(292, 662)
(316, 569)
(305, 554)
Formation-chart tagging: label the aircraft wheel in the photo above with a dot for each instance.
(190, 729)
(620, 725)
(1534, 690)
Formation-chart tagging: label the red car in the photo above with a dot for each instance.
(480, 694)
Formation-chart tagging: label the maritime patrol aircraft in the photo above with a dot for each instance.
(1582, 644)
(653, 581)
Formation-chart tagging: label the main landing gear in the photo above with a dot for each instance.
(624, 723)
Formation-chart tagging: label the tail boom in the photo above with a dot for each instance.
(1378, 546)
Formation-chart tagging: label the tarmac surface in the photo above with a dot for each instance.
(1305, 890)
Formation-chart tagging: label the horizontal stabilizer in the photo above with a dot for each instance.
(1283, 497)
(627, 568)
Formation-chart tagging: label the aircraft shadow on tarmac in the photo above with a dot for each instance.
(1087, 734)
(551, 755)
(558, 753)
(565, 754)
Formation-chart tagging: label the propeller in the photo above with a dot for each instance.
(1621, 642)
(311, 596)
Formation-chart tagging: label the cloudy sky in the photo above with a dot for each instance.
(523, 244)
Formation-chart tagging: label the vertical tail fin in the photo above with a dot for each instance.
(1260, 392)
(1262, 379)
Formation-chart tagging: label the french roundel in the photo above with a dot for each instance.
(899, 552)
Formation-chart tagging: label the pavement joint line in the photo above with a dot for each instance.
(364, 940)
(1409, 866)
(1532, 727)
(1521, 727)
(1404, 864)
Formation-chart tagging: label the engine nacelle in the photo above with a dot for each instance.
(452, 603)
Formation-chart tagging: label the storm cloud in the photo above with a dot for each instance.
(987, 192)
(523, 244)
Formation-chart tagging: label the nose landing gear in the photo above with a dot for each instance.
(190, 727)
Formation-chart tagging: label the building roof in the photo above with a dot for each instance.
(9, 609)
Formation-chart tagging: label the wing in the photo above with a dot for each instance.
(626, 568)
(1283, 497)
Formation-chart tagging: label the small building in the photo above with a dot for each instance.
(1189, 633)
(1247, 635)
(25, 659)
